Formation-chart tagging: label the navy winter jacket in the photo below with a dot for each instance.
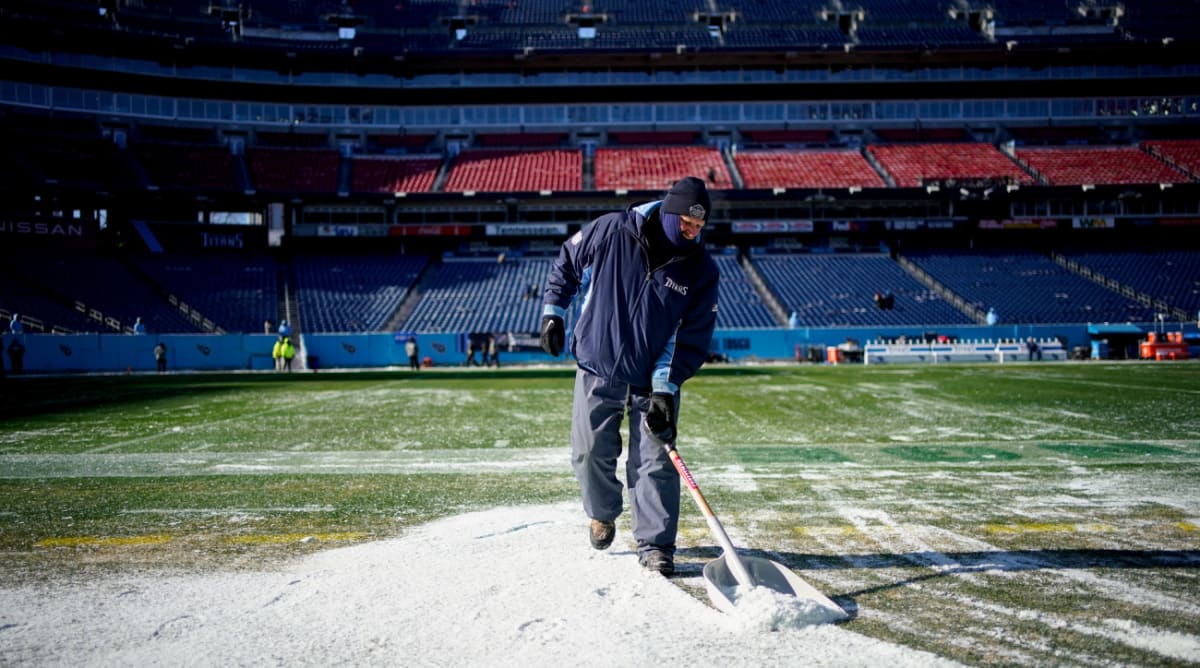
(649, 327)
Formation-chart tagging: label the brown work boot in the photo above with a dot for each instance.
(602, 532)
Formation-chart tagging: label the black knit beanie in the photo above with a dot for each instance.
(688, 197)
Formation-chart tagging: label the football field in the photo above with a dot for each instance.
(1023, 514)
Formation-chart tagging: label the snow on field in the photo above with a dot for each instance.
(505, 587)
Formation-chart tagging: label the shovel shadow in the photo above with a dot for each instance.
(955, 563)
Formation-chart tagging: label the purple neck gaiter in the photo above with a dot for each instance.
(670, 224)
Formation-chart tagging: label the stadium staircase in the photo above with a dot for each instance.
(200, 320)
(769, 298)
(874, 162)
(1112, 283)
(289, 309)
(968, 309)
(413, 297)
(1038, 177)
(730, 164)
(241, 172)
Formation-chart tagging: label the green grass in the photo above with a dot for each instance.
(1026, 514)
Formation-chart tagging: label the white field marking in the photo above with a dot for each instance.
(288, 404)
(1134, 390)
(904, 541)
(1122, 631)
(733, 477)
(922, 408)
(217, 512)
(997, 634)
(1107, 587)
(535, 460)
(915, 626)
(1167, 643)
(1175, 645)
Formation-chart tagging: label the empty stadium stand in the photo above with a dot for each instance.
(505, 170)
(236, 292)
(284, 170)
(104, 289)
(657, 168)
(837, 290)
(481, 295)
(1027, 287)
(1169, 279)
(1183, 153)
(393, 174)
(1068, 166)
(353, 293)
(741, 305)
(806, 169)
(189, 168)
(915, 165)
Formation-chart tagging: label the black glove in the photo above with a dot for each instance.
(553, 335)
(660, 419)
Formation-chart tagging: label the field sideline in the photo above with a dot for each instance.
(1025, 515)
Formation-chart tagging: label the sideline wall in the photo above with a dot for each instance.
(69, 353)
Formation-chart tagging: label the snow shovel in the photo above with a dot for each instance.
(724, 575)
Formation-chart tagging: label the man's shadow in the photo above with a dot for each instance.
(690, 562)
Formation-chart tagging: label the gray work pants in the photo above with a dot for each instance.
(598, 411)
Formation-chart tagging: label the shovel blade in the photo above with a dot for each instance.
(722, 586)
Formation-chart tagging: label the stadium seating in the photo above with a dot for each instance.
(505, 170)
(1098, 165)
(1026, 287)
(806, 169)
(235, 292)
(409, 174)
(1168, 276)
(353, 293)
(293, 170)
(837, 290)
(740, 303)
(52, 315)
(482, 295)
(928, 36)
(657, 168)
(120, 297)
(1183, 153)
(914, 165)
(740, 36)
(188, 168)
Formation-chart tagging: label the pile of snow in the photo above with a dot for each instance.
(763, 609)
(504, 587)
